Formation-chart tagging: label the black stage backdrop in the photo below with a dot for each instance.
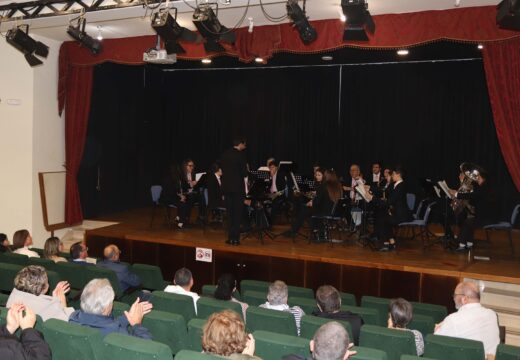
(428, 117)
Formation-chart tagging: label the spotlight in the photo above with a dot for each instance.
(480, 46)
(402, 52)
(27, 45)
(211, 29)
(327, 58)
(206, 61)
(297, 15)
(359, 20)
(508, 14)
(78, 33)
(259, 60)
(167, 27)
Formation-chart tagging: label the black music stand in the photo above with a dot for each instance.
(364, 237)
(261, 225)
(448, 238)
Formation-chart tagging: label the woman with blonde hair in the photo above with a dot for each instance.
(52, 248)
(224, 334)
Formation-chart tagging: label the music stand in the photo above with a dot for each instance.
(364, 237)
(257, 196)
(441, 190)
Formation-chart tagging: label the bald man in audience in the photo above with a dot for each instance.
(126, 278)
(471, 321)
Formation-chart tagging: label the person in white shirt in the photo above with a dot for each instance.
(22, 239)
(471, 321)
(182, 284)
(277, 300)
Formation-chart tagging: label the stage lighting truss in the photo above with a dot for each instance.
(20, 39)
(77, 31)
(207, 23)
(299, 18)
(169, 30)
(359, 20)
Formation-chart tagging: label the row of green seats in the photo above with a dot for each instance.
(9, 272)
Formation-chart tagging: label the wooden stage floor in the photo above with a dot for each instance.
(503, 266)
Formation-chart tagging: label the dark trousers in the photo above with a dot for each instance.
(300, 212)
(384, 226)
(235, 209)
(184, 209)
(467, 230)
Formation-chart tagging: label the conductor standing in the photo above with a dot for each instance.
(234, 170)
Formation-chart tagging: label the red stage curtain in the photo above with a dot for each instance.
(473, 24)
(502, 66)
(77, 108)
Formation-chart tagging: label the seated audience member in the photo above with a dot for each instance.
(31, 345)
(52, 248)
(400, 313)
(224, 334)
(4, 243)
(97, 300)
(472, 320)
(182, 284)
(330, 342)
(31, 285)
(126, 278)
(79, 253)
(328, 301)
(21, 242)
(226, 286)
(277, 300)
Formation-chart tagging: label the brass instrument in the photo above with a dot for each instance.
(471, 173)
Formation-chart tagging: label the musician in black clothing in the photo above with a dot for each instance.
(397, 212)
(277, 189)
(234, 170)
(479, 212)
(214, 186)
(173, 193)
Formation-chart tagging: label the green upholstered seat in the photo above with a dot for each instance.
(254, 285)
(364, 353)
(124, 347)
(254, 298)
(174, 303)
(8, 272)
(12, 258)
(73, 273)
(507, 352)
(270, 320)
(71, 341)
(308, 305)
(310, 324)
(195, 355)
(195, 327)
(424, 323)
(150, 275)
(370, 316)
(348, 299)
(208, 306)
(378, 303)
(450, 348)
(167, 328)
(273, 346)
(437, 312)
(394, 342)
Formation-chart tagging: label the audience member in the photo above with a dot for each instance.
(400, 313)
(224, 334)
(328, 301)
(31, 286)
(182, 284)
(226, 286)
(472, 320)
(127, 279)
(277, 300)
(52, 248)
(97, 300)
(79, 253)
(22, 239)
(31, 345)
(4, 243)
(330, 342)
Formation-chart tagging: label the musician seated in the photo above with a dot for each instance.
(355, 179)
(215, 196)
(302, 204)
(277, 189)
(397, 211)
(188, 176)
(478, 211)
(173, 193)
(322, 205)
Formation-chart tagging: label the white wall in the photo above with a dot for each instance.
(31, 137)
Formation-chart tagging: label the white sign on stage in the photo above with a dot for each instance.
(203, 254)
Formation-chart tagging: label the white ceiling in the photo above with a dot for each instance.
(135, 21)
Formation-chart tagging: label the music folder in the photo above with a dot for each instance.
(445, 188)
(360, 189)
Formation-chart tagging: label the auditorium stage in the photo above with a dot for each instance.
(411, 272)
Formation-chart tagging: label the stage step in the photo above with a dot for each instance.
(504, 298)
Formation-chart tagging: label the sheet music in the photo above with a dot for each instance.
(445, 188)
(363, 192)
(199, 175)
(263, 168)
(437, 190)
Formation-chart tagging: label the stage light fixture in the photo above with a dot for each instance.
(402, 52)
(508, 14)
(359, 20)
(297, 15)
(167, 27)
(77, 32)
(211, 29)
(480, 46)
(21, 40)
(206, 61)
